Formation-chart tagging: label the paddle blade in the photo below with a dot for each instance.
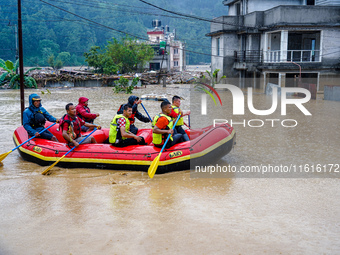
(3, 156)
(51, 166)
(153, 167)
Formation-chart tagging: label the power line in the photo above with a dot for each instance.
(121, 10)
(93, 21)
(110, 3)
(196, 17)
(138, 37)
(107, 27)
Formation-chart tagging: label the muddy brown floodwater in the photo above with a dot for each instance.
(89, 211)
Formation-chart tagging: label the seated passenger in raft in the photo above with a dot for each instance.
(34, 118)
(120, 134)
(71, 125)
(84, 113)
(176, 103)
(134, 101)
(162, 126)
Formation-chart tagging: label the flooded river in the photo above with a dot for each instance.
(89, 211)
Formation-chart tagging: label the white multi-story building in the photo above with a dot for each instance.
(174, 59)
(262, 41)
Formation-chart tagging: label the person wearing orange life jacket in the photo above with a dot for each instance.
(120, 135)
(84, 112)
(134, 101)
(176, 103)
(162, 126)
(71, 125)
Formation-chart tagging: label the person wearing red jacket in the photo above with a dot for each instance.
(84, 112)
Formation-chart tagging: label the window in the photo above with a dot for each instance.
(155, 66)
(238, 9)
(218, 46)
(175, 51)
(310, 2)
(175, 63)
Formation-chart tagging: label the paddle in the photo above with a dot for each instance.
(146, 112)
(3, 156)
(154, 165)
(51, 166)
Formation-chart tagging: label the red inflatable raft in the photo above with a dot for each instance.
(205, 145)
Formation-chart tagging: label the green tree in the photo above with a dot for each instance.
(12, 78)
(56, 64)
(125, 55)
(64, 57)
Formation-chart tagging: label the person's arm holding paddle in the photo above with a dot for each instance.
(157, 130)
(69, 139)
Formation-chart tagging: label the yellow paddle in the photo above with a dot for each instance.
(154, 165)
(3, 156)
(51, 166)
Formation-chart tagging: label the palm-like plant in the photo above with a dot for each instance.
(12, 78)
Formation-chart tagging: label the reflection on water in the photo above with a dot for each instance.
(264, 140)
(88, 211)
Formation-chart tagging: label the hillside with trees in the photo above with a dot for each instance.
(59, 32)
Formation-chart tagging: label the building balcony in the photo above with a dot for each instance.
(283, 15)
(276, 56)
(248, 56)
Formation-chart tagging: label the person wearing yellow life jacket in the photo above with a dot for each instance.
(70, 125)
(134, 101)
(176, 103)
(162, 126)
(120, 135)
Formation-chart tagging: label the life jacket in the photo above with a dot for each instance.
(74, 127)
(180, 122)
(83, 118)
(131, 118)
(38, 120)
(114, 133)
(159, 139)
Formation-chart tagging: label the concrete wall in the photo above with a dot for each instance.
(330, 46)
(228, 44)
(328, 78)
(254, 19)
(249, 6)
(69, 84)
(262, 5)
(302, 15)
(332, 93)
(222, 23)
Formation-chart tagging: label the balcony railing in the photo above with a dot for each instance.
(248, 56)
(292, 55)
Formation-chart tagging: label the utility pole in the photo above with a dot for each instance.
(162, 48)
(16, 41)
(21, 63)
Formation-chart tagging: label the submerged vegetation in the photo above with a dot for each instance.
(125, 85)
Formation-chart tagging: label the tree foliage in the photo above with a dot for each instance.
(48, 30)
(11, 78)
(124, 55)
